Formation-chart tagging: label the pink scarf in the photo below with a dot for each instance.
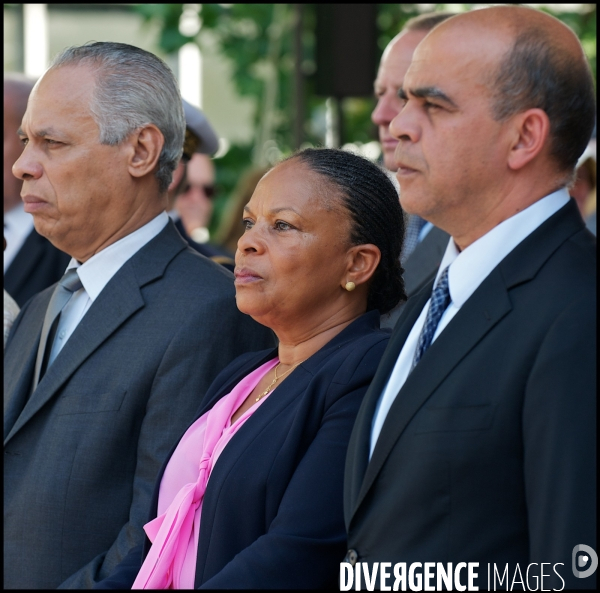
(170, 532)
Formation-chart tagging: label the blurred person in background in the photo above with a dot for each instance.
(424, 244)
(31, 262)
(103, 370)
(251, 497)
(192, 190)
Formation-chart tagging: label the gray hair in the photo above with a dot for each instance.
(133, 88)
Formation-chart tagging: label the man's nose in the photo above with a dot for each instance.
(405, 125)
(27, 166)
(384, 112)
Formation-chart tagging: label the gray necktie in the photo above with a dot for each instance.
(68, 284)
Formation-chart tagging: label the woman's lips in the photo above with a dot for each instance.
(246, 276)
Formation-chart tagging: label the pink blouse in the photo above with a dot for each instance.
(171, 561)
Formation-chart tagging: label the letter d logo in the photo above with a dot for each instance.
(589, 559)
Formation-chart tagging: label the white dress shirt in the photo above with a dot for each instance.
(18, 224)
(95, 274)
(468, 269)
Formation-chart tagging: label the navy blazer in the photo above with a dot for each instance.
(272, 513)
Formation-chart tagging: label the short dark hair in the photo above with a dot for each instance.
(537, 73)
(376, 216)
(427, 21)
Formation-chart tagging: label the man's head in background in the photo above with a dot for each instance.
(17, 88)
(392, 68)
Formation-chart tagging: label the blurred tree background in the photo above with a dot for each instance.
(272, 50)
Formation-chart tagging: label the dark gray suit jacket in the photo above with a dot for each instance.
(423, 261)
(488, 453)
(81, 455)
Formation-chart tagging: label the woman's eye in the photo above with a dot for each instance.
(283, 226)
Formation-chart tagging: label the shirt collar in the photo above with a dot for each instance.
(97, 271)
(470, 267)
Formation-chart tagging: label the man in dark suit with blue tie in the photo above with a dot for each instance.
(476, 439)
(103, 371)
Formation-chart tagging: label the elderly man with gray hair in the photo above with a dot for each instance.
(103, 369)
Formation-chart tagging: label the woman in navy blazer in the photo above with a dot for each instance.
(318, 263)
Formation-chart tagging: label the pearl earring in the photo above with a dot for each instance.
(350, 286)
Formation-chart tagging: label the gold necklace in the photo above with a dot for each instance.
(270, 387)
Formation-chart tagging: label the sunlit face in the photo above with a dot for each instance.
(392, 69)
(451, 154)
(291, 260)
(75, 187)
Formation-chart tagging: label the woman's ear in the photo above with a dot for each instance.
(362, 263)
(146, 143)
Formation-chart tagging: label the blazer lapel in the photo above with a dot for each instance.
(119, 299)
(477, 317)
(358, 449)
(20, 390)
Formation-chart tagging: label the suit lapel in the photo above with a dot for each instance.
(360, 439)
(20, 358)
(475, 319)
(115, 304)
(118, 301)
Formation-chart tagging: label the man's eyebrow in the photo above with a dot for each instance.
(39, 133)
(430, 92)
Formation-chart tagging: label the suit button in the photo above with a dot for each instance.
(351, 557)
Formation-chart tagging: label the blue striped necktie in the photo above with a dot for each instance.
(440, 299)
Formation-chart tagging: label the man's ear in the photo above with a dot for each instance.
(146, 145)
(531, 131)
(362, 263)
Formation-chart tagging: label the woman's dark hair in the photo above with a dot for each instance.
(377, 218)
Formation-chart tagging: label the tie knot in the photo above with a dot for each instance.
(71, 281)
